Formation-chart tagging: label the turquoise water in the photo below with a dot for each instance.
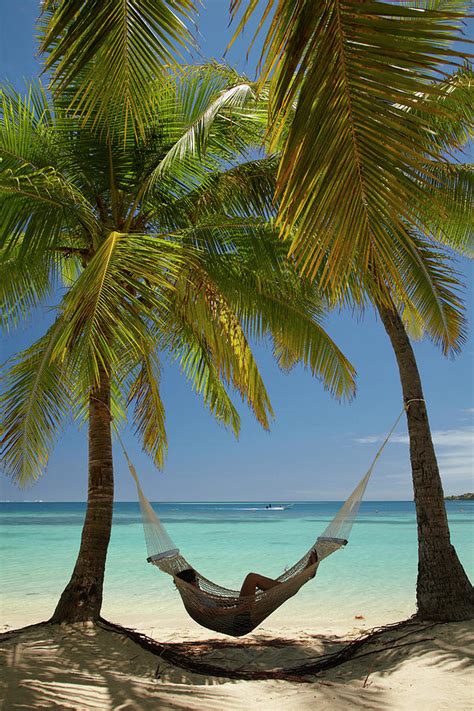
(373, 576)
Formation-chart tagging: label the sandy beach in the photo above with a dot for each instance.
(85, 667)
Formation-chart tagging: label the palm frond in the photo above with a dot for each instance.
(191, 352)
(24, 283)
(243, 190)
(111, 50)
(273, 301)
(354, 164)
(193, 142)
(149, 412)
(432, 294)
(39, 206)
(107, 308)
(452, 100)
(449, 218)
(36, 400)
(201, 307)
(25, 128)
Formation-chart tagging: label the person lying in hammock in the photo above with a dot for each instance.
(244, 608)
(252, 581)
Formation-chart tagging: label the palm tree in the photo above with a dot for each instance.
(366, 191)
(158, 242)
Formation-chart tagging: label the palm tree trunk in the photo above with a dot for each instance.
(443, 589)
(81, 600)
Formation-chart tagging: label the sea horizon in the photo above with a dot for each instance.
(207, 501)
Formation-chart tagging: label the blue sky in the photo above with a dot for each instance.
(317, 448)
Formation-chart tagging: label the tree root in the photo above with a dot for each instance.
(184, 655)
(10, 634)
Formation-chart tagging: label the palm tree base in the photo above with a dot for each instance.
(80, 601)
(460, 613)
(445, 594)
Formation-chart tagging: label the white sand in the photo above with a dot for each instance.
(85, 667)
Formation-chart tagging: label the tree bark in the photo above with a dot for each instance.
(443, 590)
(81, 600)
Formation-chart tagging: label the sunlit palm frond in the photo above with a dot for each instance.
(39, 206)
(452, 102)
(191, 352)
(449, 218)
(354, 164)
(70, 268)
(39, 202)
(24, 283)
(272, 300)
(36, 134)
(37, 398)
(104, 309)
(202, 308)
(194, 140)
(115, 48)
(25, 128)
(453, 5)
(432, 294)
(243, 190)
(243, 237)
(149, 412)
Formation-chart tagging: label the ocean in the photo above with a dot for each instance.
(373, 577)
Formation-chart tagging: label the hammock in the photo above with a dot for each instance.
(224, 610)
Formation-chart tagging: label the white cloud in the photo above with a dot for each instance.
(369, 440)
(455, 452)
(463, 437)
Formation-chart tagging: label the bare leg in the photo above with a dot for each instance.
(254, 581)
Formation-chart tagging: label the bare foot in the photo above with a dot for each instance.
(313, 559)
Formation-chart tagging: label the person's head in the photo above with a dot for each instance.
(188, 575)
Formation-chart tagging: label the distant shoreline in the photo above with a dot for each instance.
(277, 502)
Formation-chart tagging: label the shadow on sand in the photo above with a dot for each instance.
(93, 667)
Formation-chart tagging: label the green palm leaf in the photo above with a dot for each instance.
(24, 283)
(201, 307)
(434, 294)
(289, 311)
(37, 399)
(104, 309)
(353, 167)
(111, 50)
(450, 216)
(36, 205)
(26, 135)
(243, 190)
(149, 412)
(192, 353)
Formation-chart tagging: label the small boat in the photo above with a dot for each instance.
(281, 507)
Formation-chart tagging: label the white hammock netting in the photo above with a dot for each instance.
(224, 610)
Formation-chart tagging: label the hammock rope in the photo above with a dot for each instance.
(224, 610)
